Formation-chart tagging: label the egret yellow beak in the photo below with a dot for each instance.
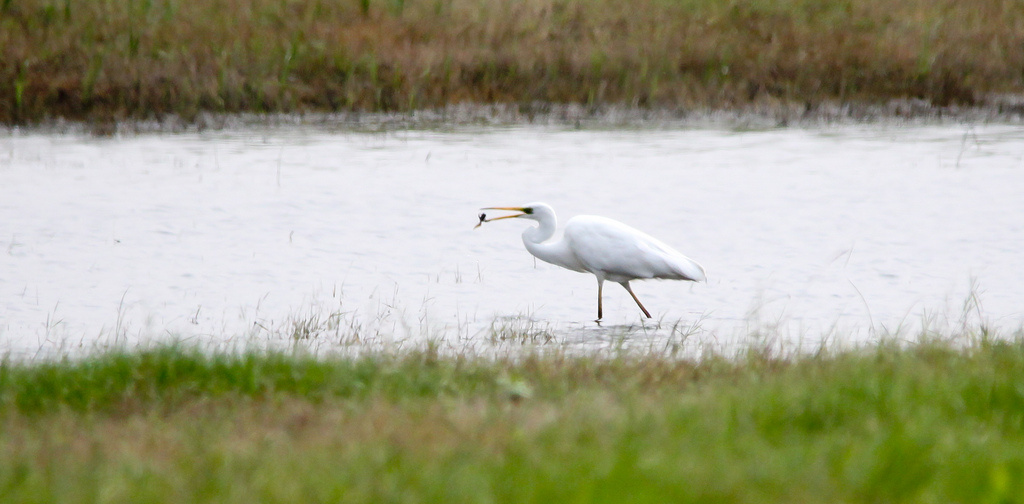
(521, 210)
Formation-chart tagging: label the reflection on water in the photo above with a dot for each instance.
(840, 232)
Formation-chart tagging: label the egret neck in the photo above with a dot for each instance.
(536, 241)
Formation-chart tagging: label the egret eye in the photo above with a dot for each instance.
(527, 211)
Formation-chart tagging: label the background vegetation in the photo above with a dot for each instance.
(111, 59)
(926, 422)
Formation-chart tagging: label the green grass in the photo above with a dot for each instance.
(105, 60)
(922, 422)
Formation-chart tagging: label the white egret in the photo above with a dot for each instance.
(607, 248)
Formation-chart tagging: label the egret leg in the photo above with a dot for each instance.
(600, 286)
(638, 303)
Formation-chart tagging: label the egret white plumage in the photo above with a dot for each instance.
(607, 248)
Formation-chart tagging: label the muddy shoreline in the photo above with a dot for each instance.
(994, 110)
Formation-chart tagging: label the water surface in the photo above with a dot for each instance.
(844, 232)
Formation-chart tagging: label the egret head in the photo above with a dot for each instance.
(533, 211)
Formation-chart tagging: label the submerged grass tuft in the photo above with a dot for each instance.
(520, 330)
(932, 421)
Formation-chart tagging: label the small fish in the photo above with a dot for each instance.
(483, 219)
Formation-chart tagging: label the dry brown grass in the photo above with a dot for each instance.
(109, 59)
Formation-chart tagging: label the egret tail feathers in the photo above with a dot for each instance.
(688, 269)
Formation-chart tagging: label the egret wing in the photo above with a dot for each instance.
(620, 253)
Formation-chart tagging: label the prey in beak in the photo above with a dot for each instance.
(483, 217)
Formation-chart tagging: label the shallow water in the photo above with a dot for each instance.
(844, 232)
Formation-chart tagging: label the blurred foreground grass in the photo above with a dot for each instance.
(926, 422)
(115, 59)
